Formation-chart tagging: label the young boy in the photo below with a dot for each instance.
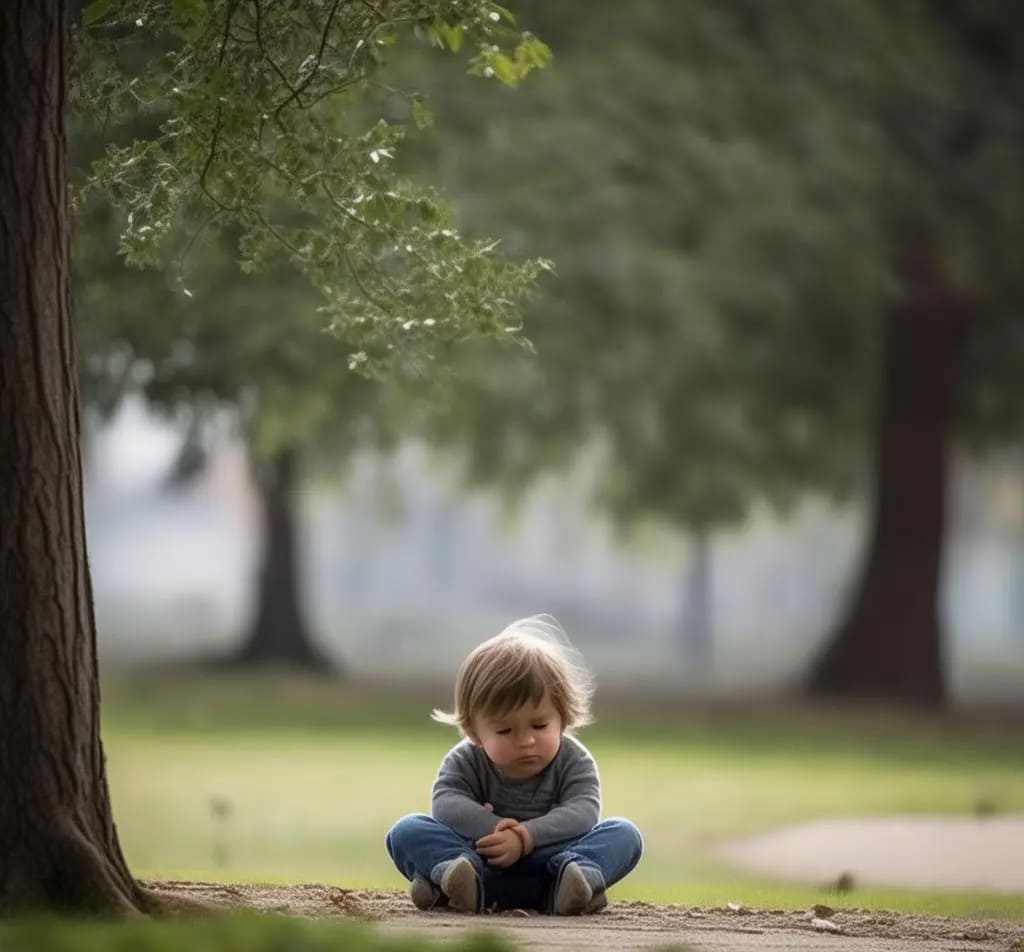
(516, 804)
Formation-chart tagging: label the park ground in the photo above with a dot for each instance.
(300, 784)
(631, 925)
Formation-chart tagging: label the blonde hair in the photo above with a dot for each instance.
(530, 658)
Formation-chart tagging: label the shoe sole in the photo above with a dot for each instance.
(424, 893)
(459, 884)
(574, 892)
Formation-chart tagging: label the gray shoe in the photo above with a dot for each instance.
(573, 894)
(423, 892)
(596, 904)
(459, 882)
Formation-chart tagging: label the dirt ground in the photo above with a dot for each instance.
(631, 925)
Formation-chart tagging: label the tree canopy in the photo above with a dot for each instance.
(262, 135)
(779, 233)
(724, 201)
(252, 117)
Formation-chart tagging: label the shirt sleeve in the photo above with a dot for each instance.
(579, 802)
(457, 796)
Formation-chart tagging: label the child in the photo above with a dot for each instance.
(516, 804)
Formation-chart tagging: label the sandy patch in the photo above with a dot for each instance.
(941, 853)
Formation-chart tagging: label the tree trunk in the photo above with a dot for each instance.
(278, 633)
(697, 625)
(889, 645)
(58, 845)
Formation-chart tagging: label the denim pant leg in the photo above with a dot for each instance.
(417, 843)
(611, 849)
(524, 885)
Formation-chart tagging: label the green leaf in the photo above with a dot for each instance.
(532, 53)
(506, 13)
(190, 16)
(421, 114)
(97, 10)
(504, 69)
(452, 36)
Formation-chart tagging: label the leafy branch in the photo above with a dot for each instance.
(295, 163)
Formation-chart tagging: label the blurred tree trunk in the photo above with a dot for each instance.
(697, 626)
(889, 645)
(58, 845)
(279, 633)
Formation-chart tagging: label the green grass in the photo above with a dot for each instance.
(228, 934)
(293, 781)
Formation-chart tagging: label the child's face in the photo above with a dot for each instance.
(520, 742)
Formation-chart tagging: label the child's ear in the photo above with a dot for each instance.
(472, 738)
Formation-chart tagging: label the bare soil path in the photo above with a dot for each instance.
(631, 925)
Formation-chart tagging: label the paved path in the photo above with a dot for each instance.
(941, 853)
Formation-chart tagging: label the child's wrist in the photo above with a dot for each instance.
(525, 840)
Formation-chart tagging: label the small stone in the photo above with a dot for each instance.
(825, 925)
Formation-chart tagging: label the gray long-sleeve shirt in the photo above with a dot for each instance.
(562, 802)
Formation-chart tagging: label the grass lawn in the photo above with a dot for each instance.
(294, 781)
(251, 933)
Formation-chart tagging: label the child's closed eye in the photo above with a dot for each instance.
(504, 731)
(540, 727)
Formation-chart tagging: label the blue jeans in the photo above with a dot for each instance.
(417, 843)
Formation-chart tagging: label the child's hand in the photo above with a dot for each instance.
(503, 847)
(523, 832)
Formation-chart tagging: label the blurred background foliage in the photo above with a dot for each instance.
(732, 202)
(738, 206)
(786, 246)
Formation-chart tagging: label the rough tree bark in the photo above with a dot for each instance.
(279, 634)
(58, 844)
(889, 645)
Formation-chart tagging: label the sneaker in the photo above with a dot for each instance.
(573, 894)
(459, 882)
(423, 892)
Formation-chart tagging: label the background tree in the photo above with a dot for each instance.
(785, 244)
(378, 252)
(244, 357)
(217, 161)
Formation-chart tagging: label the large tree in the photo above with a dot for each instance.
(255, 119)
(786, 246)
(952, 345)
(57, 839)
